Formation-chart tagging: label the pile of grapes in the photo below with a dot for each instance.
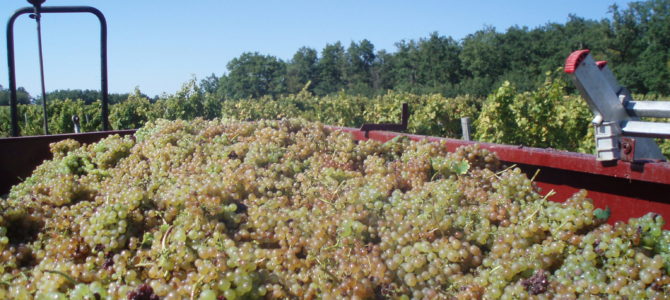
(290, 209)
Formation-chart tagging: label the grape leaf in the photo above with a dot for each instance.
(397, 139)
(602, 214)
(461, 167)
(346, 229)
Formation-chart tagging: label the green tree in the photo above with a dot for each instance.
(301, 69)
(640, 39)
(22, 96)
(481, 55)
(331, 67)
(210, 84)
(655, 57)
(439, 63)
(360, 59)
(255, 75)
(88, 96)
(406, 66)
(382, 76)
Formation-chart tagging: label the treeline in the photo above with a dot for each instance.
(635, 40)
(22, 96)
(88, 96)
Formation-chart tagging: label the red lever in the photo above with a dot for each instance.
(574, 60)
(601, 64)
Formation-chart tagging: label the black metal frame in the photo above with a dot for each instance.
(404, 120)
(12, 66)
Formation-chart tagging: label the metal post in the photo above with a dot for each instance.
(12, 66)
(466, 127)
(75, 122)
(13, 109)
(38, 19)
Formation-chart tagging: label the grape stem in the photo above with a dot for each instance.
(505, 170)
(324, 201)
(325, 271)
(261, 260)
(165, 237)
(144, 264)
(195, 286)
(561, 226)
(66, 276)
(337, 245)
(551, 193)
(535, 175)
(337, 190)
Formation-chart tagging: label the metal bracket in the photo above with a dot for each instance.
(404, 117)
(617, 116)
(607, 140)
(627, 149)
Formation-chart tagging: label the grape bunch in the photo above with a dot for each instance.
(280, 209)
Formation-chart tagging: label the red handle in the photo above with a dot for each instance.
(574, 60)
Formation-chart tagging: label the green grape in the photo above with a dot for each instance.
(291, 209)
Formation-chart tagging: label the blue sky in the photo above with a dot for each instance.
(159, 45)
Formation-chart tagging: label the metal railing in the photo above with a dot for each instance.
(38, 9)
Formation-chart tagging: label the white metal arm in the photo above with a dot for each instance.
(616, 115)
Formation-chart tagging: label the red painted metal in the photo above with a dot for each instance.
(20, 155)
(629, 189)
(573, 61)
(601, 64)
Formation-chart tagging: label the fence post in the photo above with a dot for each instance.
(75, 122)
(466, 128)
